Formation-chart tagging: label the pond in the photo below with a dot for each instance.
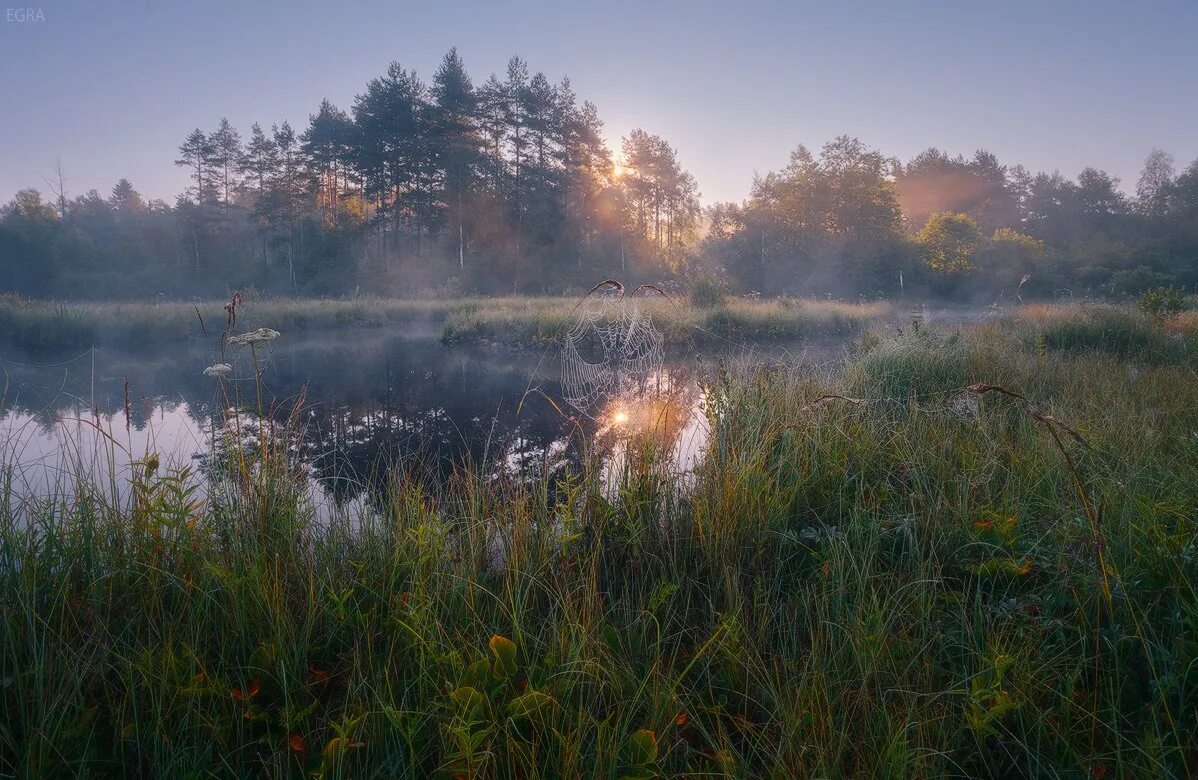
(370, 402)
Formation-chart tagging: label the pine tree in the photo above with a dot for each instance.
(196, 153)
(457, 143)
(328, 147)
(226, 161)
(664, 199)
(493, 109)
(126, 200)
(282, 204)
(516, 89)
(260, 159)
(258, 162)
(542, 210)
(392, 151)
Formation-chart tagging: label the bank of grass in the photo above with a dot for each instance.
(51, 324)
(1108, 328)
(902, 581)
(528, 322)
(513, 321)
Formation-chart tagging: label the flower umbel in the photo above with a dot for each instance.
(254, 337)
(219, 371)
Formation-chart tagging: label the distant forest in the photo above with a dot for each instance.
(452, 187)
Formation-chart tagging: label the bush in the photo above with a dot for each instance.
(1133, 280)
(707, 292)
(1162, 303)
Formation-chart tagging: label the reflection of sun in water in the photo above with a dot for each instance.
(666, 431)
(658, 418)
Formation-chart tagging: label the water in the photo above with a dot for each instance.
(370, 402)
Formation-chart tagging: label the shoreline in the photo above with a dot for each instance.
(516, 321)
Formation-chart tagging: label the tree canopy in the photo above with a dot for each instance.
(508, 184)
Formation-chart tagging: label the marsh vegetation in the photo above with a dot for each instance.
(959, 550)
(528, 322)
(372, 410)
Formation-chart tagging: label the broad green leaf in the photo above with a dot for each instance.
(504, 650)
(469, 699)
(529, 704)
(642, 748)
(469, 740)
(477, 675)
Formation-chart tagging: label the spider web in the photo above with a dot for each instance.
(613, 348)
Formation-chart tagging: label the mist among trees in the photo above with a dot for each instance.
(506, 185)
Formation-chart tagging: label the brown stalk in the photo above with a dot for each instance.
(1051, 424)
(834, 397)
(128, 415)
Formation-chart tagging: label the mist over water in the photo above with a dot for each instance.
(371, 405)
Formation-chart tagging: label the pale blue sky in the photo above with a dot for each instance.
(113, 87)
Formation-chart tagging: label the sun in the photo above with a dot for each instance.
(617, 170)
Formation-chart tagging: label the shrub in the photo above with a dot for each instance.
(707, 292)
(1162, 303)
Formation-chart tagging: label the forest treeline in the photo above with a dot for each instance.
(508, 186)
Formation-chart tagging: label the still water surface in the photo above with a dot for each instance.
(371, 402)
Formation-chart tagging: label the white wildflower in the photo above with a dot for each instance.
(254, 337)
(220, 370)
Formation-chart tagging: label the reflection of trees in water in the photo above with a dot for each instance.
(69, 386)
(351, 448)
(369, 406)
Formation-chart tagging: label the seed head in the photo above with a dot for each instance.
(219, 371)
(254, 337)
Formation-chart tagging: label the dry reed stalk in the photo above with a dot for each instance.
(1051, 424)
(833, 397)
(128, 415)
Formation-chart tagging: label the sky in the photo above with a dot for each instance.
(110, 89)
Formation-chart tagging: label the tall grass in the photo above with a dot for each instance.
(885, 583)
(516, 321)
(40, 323)
(519, 321)
(1108, 328)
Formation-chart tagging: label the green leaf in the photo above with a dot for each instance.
(642, 748)
(470, 739)
(504, 651)
(529, 704)
(263, 657)
(477, 675)
(469, 699)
